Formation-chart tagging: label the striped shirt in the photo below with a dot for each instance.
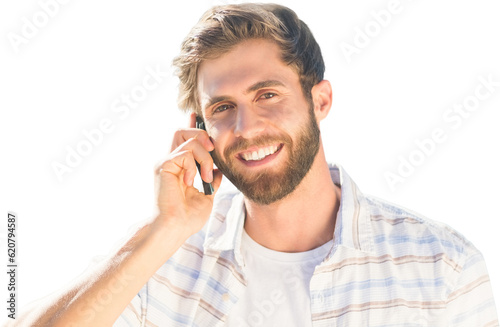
(387, 267)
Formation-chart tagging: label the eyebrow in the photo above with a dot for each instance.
(263, 84)
(252, 88)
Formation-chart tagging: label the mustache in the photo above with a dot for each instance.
(241, 144)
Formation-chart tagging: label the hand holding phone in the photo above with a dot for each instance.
(207, 187)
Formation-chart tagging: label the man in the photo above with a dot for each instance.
(300, 245)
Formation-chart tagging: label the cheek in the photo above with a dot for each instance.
(219, 128)
(219, 136)
(216, 135)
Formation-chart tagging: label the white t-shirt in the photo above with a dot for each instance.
(278, 286)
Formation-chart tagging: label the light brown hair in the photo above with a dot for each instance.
(222, 27)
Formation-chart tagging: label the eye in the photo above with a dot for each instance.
(268, 95)
(223, 107)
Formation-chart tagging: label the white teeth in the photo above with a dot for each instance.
(260, 154)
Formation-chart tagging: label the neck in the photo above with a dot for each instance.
(303, 220)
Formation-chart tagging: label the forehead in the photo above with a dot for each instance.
(249, 62)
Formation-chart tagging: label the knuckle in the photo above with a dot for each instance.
(177, 136)
(206, 160)
(174, 159)
(180, 136)
(180, 155)
(179, 133)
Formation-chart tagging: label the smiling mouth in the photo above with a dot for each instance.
(260, 153)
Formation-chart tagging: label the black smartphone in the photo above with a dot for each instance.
(207, 187)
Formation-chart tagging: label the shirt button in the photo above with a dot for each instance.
(225, 297)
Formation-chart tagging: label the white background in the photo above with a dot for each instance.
(64, 79)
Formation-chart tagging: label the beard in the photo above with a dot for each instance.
(268, 186)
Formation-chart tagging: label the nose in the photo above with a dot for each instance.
(249, 123)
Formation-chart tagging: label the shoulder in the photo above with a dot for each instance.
(400, 230)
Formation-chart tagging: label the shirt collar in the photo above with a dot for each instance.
(353, 226)
(352, 229)
(225, 226)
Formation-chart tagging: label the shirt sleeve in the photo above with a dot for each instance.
(471, 301)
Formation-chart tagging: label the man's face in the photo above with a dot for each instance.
(265, 132)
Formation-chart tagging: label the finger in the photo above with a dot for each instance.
(192, 120)
(182, 135)
(180, 165)
(201, 156)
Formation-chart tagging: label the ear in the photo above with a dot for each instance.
(322, 98)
